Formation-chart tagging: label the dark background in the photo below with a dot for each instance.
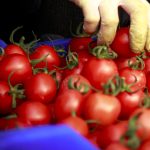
(42, 17)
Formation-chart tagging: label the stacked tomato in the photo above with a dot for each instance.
(101, 92)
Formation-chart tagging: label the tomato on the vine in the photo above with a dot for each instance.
(99, 71)
(51, 57)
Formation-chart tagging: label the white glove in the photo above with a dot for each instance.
(106, 13)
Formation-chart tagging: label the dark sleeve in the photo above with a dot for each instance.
(56, 17)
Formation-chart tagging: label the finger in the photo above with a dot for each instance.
(147, 46)
(91, 16)
(109, 21)
(139, 20)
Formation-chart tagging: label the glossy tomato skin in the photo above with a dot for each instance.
(18, 64)
(66, 103)
(121, 43)
(14, 49)
(35, 113)
(40, 87)
(78, 124)
(5, 98)
(130, 102)
(131, 76)
(116, 146)
(50, 61)
(99, 71)
(103, 108)
(79, 44)
(111, 133)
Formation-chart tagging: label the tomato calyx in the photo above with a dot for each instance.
(25, 46)
(130, 139)
(78, 86)
(116, 85)
(34, 62)
(138, 64)
(16, 91)
(103, 51)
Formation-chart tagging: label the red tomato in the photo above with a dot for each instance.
(35, 113)
(40, 87)
(111, 133)
(5, 98)
(16, 123)
(79, 44)
(116, 146)
(143, 123)
(18, 64)
(67, 102)
(50, 61)
(79, 81)
(84, 56)
(148, 81)
(147, 66)
(130, 102)
(77, 124)
(99, 71)
(145, 145)
(121, 43)
(14, 49)
(103, 108)
(131, 76)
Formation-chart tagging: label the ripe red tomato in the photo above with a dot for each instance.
(79, 44)
(5, 98)
(35, 113)
(50, 61)
(121, 43)
(14, 49)
(147, 65)
(66, 103)
(18, 64)
(130, 102)
(40, 87)
(103, 108)
(77, 124)
(131, 76)
(111, 133)
(99, 71)
(116, 146)
(145, 145)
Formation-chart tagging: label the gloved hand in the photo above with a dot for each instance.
(106, 13)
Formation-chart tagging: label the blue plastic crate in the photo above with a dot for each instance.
(58, 137)
(44, 137)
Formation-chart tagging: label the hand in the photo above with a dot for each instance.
(104, 14)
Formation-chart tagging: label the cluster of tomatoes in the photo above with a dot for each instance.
(101, 92)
